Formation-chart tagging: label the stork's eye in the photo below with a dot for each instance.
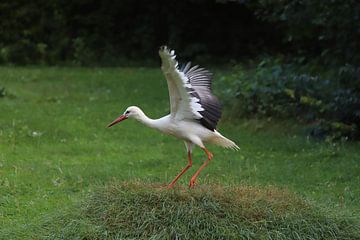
(127, 112)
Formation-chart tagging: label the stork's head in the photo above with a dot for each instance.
(130, 112)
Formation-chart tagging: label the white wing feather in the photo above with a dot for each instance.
(183, 105)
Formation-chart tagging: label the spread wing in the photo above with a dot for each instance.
(190, 91)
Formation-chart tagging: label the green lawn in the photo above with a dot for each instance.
(55, 147)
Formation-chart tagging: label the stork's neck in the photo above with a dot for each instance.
(153, 123)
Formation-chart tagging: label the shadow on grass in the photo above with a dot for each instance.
(148, 211)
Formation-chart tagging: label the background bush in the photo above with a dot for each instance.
(329, 101)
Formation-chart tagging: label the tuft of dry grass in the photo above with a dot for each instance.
(138, 210)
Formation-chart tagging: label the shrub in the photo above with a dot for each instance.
(2, 92)
(330, 101)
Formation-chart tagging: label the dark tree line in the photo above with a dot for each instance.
(109, 32)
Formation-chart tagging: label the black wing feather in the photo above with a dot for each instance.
(200, 80)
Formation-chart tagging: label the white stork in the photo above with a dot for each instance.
(194, 110)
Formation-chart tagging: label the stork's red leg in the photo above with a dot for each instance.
(182, 172)
(209, 157)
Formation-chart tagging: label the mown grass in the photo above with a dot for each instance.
(55, 148)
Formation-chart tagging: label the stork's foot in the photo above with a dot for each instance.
(192, 182)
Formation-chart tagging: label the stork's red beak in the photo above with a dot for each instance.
(119, 119)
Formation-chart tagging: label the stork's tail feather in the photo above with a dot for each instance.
(222, 141)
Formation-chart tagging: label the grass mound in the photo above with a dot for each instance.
(148, 211)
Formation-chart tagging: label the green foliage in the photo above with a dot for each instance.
(82, 54)
(150, 211)
(272, 88)
(2, 92)
(107, 32)
(325, 29)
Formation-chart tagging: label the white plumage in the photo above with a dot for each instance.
(194, 111)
